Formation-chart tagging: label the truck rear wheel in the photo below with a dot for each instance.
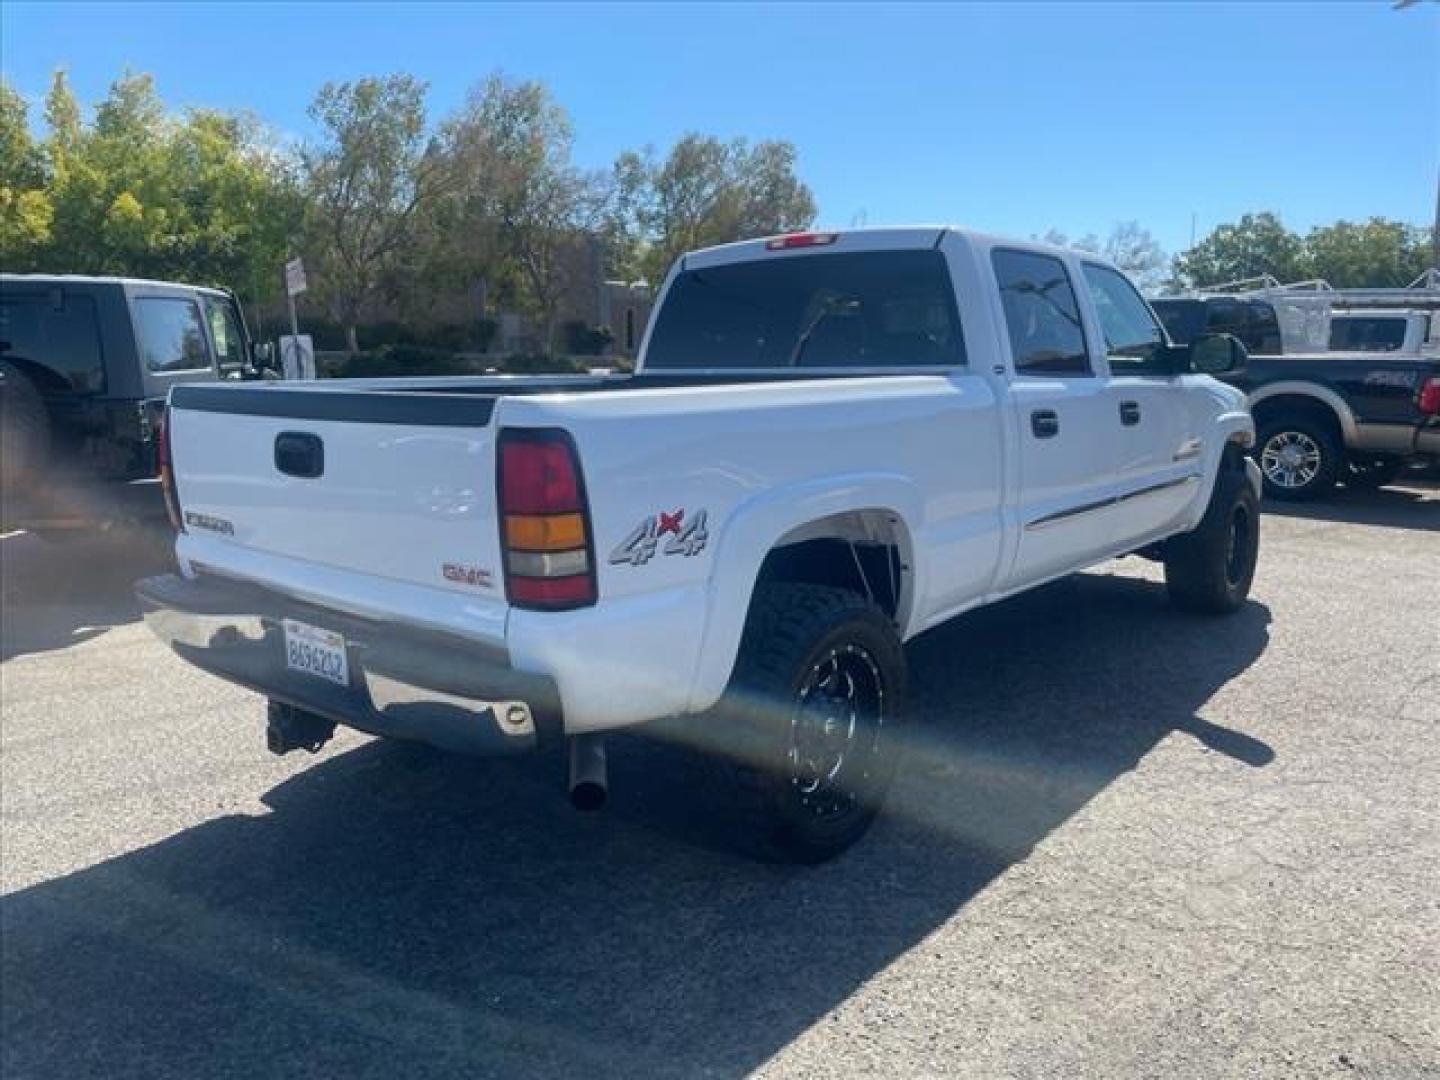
(1210, 568)
(804, 743)
(1300, 456)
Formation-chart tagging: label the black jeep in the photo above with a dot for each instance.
(85, 364)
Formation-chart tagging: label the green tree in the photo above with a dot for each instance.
(705, 192)
(527, 214)
(367, 184)
(202, 197)
(26, 213)
(1377, 253)
(1256, 244)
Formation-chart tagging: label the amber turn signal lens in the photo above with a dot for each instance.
(544, 532)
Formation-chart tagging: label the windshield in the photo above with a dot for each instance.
(862, 309)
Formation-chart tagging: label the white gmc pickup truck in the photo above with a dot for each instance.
(832, 442)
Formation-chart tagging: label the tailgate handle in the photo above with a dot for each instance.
(299, 453)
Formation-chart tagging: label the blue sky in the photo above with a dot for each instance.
(1014, 118)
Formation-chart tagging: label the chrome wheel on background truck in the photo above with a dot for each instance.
(1300, 456)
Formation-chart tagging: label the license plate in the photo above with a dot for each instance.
(313, 651)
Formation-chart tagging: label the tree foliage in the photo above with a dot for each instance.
(1377, 253)
(704, 192)
(1374, 253)
(367, 183)
(201, 197)
(522, 207)
(1256, 244)
(26, 213)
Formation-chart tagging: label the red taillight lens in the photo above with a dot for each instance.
(1430, 396)
(166, 472)
(538, 477)
(801, 240)
(544, 522)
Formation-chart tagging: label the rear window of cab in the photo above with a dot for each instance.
(872, 309)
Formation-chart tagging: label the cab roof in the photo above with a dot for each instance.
(104, 279)
(905, 238)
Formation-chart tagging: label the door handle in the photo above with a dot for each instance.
(1129, 413)
(1044, 423)
(299, 453)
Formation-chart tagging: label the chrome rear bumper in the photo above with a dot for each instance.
(404, 682)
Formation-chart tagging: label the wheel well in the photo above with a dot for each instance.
(1297, 404)
(865, 551)
(42, 378)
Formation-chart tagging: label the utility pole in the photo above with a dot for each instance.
(1435, 232)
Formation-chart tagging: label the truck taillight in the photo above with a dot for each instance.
(166, 472)
(544, 522)
(1430, 396)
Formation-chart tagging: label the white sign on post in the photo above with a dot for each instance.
(294, 277)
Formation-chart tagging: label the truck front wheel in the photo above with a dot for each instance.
(1210, 568)
(805, 741)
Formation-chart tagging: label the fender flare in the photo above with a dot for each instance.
(1319, 393)
(751, 532)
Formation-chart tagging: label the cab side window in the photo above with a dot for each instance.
(1041, 315)
(1133, 339)
(170, 334)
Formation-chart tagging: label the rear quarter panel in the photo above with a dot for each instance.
(757, 461)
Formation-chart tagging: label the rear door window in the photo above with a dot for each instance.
(170, 334)
(874, 309)
(1041, 314)
(57, 333)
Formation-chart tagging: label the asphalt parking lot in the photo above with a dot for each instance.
(1129, 842)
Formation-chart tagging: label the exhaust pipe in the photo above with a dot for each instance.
(589, 782)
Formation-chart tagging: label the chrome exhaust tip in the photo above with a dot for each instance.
(589, 780)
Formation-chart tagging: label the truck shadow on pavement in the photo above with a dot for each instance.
(53, 595)
(403, 913)
(1416, 505)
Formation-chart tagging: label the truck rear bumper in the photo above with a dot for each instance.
(403, 682)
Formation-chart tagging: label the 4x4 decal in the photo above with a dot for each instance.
(685, 538)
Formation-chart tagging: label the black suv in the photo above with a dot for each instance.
(85, 364)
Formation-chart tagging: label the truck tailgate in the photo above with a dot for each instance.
(394, 484)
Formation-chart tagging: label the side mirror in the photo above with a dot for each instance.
(263, 355)
(1216, 354)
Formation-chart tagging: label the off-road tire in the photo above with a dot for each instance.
(749, 735)
(1210, 568)
(1320, 433)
